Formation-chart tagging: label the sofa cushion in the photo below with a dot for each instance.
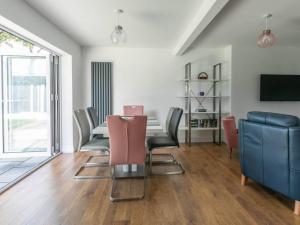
(274, 119)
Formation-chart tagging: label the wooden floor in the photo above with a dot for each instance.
(208, 193)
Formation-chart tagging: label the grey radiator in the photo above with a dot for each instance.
(102, 89)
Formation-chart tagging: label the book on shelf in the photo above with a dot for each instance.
(194, 123)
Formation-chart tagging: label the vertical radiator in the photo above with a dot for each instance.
(102, 89)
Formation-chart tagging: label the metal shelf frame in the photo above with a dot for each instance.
(216, 103)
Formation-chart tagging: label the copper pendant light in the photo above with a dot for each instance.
(267, 38)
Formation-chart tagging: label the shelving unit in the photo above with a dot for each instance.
(216, 100)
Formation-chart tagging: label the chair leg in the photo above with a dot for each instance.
(164, 163)
(150, 162)
(145, 176)
(88, 164)
(297, 208)
(84, 177)
(114, 199)
(230, 153)
(177, 172)
(96, 163)
(243, 180)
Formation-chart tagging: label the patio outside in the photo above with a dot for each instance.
(28, 132)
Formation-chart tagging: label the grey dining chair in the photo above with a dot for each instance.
(168, 119)
(93, 117)
(93, 121)
(167, 141)
(166, 133)
(85, 144)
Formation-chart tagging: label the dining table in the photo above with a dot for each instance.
(153, 126)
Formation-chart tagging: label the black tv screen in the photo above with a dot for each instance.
(279, 87)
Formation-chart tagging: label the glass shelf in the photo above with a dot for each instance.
(208, 112)
(204, 80)
(200, 128)
(203, 96)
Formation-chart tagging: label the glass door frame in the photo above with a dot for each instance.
(54, 109)
(55, 104)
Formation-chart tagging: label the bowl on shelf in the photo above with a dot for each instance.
(202, 76)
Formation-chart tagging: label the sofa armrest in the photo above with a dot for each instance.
(241, 143)
(294, 161)
(294, 148)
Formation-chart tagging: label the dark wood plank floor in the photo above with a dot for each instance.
(209, 193)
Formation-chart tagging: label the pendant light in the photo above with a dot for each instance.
(267, 38)
(118, 35)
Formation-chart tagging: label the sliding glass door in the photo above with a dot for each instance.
(30, 105)
(26, 105)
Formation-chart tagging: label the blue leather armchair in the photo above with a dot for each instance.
(270, 152)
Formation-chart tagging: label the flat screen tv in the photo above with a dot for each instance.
(279, 87)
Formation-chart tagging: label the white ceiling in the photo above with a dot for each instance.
(240, 23)
(161, 23)
(148, 23)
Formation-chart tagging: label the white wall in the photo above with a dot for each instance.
(18, 16)
(247, 65)
(140, 76)
(146, 76)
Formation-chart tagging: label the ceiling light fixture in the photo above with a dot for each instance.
(267, 38)
(118, 35)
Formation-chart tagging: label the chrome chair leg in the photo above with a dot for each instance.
(89, 164)
(97, 163)
(164, 163)
(139, 197)
(84, 177)
(150, 162)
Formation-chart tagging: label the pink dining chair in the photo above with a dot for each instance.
(127, 146)
(133, 110)
(231, 133)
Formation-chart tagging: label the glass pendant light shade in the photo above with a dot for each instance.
(114, 37)
(118, 35)
(267, 38)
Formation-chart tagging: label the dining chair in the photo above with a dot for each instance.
(170, 155)
(93, 117)
(127, 146)
(133, 110)
(85, 145)
(167, 141)
(168, 119)
(93, 121)
(231, 133)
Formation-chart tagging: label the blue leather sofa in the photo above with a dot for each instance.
(270, 152)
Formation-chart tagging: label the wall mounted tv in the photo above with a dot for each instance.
(279, 87)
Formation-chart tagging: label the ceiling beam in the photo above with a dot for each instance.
(208, 11)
